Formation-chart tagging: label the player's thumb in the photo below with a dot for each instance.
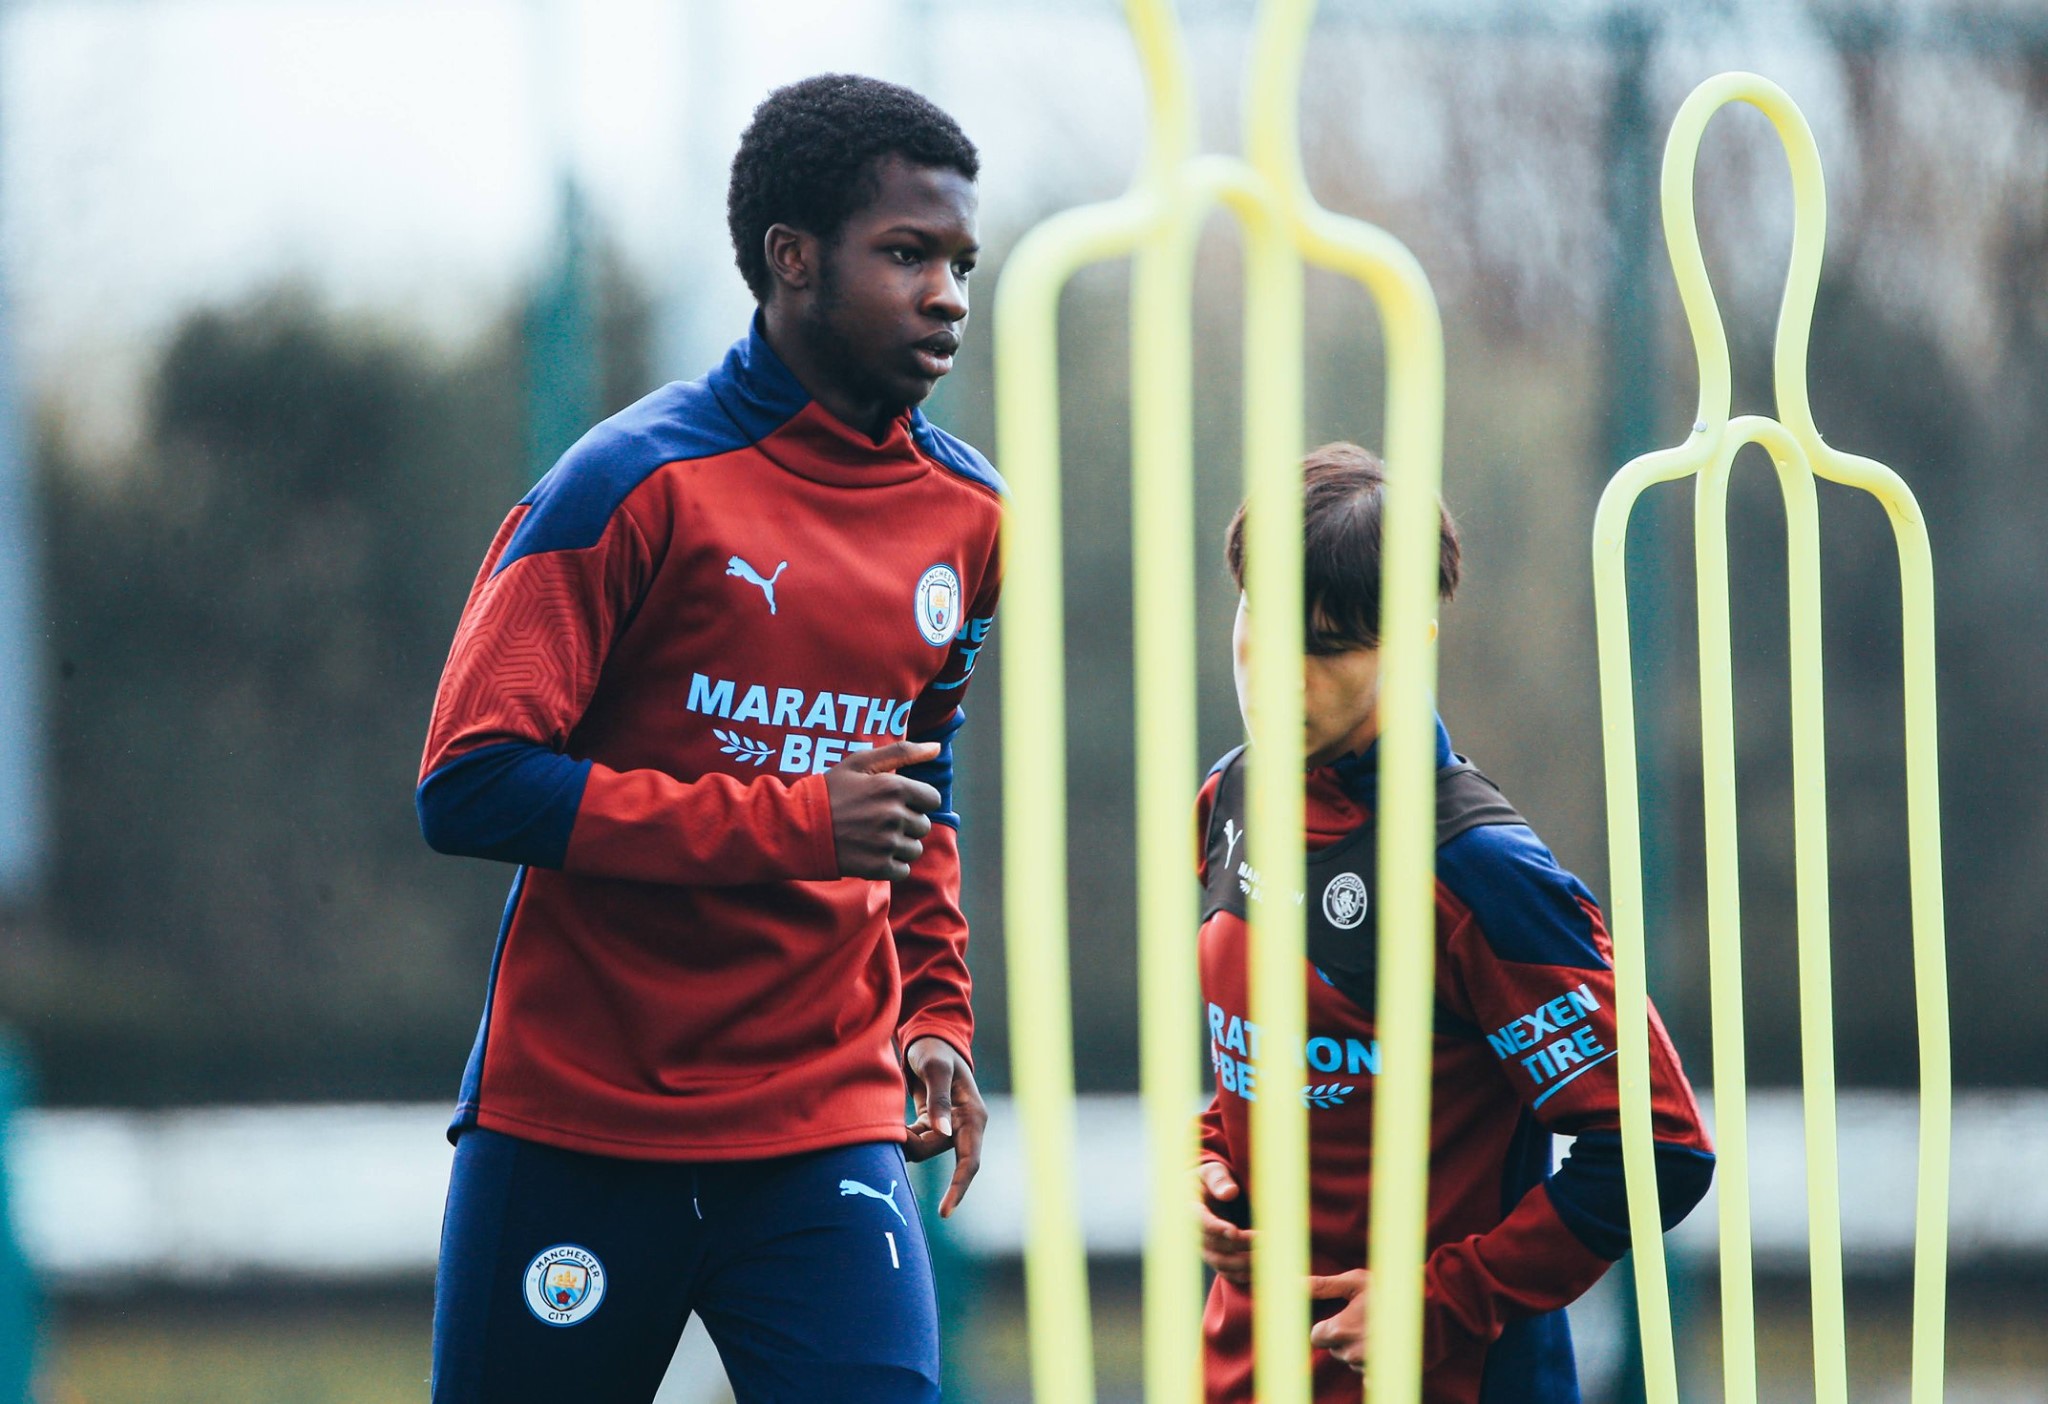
(939, 1097)
(894, 756)
(1217, 1180)
(1344, 1285)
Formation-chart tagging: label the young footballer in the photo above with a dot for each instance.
(703, 695)
(1523, 1048)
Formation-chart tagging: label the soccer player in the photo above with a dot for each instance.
(703, 694)
(1524, 1029)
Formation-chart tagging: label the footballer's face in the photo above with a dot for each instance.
(883, 315)
(1340, 695)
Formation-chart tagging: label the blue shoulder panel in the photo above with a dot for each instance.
(956, 455)
(749, 397)
(569, 507)
(1527, 906)
(1360, 774)
(1225, 759)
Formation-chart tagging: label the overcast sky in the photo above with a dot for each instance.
(403, 157)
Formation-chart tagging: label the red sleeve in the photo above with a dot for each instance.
(931, 947)
(497, 782)
(1527, 1264)
(924, 908)
(1215, 1142)
(1205, 807)
(1532, 964)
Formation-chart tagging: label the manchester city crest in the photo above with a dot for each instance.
(564, 1284)
(938, 605)
(1344, 901)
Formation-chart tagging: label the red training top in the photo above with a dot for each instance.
(713, 597)
(1524, 1047)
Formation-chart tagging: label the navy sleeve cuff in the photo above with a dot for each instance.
(515, 802)
(938, 771)
(1591, 1194)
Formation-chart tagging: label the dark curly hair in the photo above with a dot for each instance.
(809, 158)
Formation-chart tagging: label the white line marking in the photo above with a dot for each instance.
(894, 1261)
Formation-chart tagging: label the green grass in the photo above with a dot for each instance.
(305, 1352)
(299, 1348)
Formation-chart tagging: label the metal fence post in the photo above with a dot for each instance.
(20, 1299)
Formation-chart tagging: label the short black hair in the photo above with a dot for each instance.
(809, 157)
(1342, 489)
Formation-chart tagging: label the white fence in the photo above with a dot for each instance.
(355, 1192)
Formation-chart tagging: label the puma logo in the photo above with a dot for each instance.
(856, 1187)
(1233, 834)
(736, 566)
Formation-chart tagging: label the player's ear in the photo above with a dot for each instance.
(792, 256)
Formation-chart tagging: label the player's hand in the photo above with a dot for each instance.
(1226, 1248)
(878, 816)
(1342, 1333)
(950, 1113)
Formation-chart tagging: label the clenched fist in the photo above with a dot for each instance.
(879, 817)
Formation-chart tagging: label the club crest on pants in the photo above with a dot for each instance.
(564, 1284)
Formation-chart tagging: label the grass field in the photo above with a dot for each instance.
(297, 1347)
(212, 1349)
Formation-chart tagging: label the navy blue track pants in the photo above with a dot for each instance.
(570, 1276)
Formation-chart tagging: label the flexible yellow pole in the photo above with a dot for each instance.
(1923, 801)
(1798, 454)
(1273, 376)
(1724, 934)
(1809, 786)
(1160, 218)
(1034, 704)
(1034, 782)
(1724, 909)
(1274, 819)
(1166, 758)
(1625, 899)
(1406, 921)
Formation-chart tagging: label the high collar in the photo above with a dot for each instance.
(771, 406)
(1359, 773)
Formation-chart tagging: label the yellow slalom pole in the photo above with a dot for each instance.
(1035, 789)
(1923, 801)
(1034, 704)
(1625, 903)
(1930, 949)
(1404, 998)
(1167, 766)
(1166, 757)
(1798, 454)
(1724, 937)
(1724, 915)
(1274, 818)
(1159, 219)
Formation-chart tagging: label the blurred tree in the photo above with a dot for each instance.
(247, 621)
(248, 628)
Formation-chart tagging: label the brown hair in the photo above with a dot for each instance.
(1340, 551)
